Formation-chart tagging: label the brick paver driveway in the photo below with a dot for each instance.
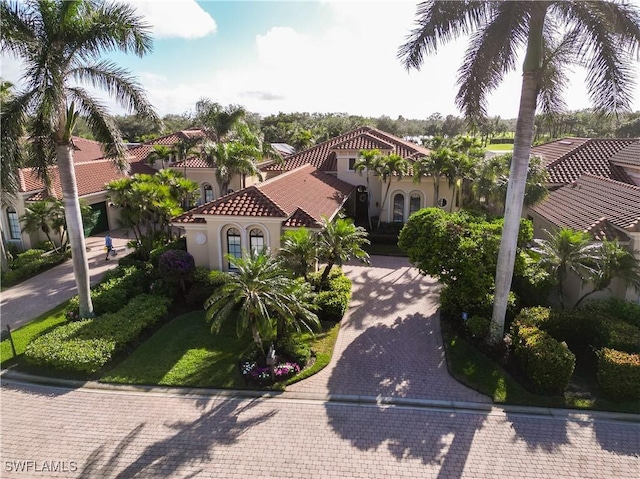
(390, 343)
(389, 346)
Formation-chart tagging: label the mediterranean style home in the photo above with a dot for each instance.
(594, 187)
(304, 188)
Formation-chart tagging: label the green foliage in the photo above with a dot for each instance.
(532, 284)
(83, 347)
(176, 266)
(546, 362)
(30, 263)
(335, 294)
(339, 241)
(205, 282)
(619, 374)
(618, 308)
(113, 292)
(299, 251)
(478, 327)
(179, 244)
(298, 351)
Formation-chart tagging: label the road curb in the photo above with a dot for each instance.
(9, 376)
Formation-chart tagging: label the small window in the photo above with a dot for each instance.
(256, 240)
(442, 202)
(14, 223)
(352, 162)
(398, 208)
(414, 203)
(208, 193)
(234, 247)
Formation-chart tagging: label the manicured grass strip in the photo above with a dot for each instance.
(185, 353)
(475, 370)
(323, 344)
(384, 250)
(23, 335)
(500, 147)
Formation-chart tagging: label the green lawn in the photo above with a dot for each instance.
(23, 335)
(477, 371)
(185, 353)
(500, 147)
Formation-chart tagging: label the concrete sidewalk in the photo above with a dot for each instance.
(29, 299)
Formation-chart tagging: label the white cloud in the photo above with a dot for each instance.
(176, 18)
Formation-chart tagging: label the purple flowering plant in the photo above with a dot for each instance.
(177, 264)
(253, 371)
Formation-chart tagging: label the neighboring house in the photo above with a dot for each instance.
(595, 187)
(257, 216)
(92, 174)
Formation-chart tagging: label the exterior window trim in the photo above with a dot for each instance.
(233, 232)
(13, 221)
(395, 209)
(205, 188)
(253, 234)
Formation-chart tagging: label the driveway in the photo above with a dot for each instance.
(390, 343)
(31, 298)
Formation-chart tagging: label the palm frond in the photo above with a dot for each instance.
(491, 54)
(17, 28)
(438, 23)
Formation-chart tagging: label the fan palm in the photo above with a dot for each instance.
(600, 36)
(259, 295)
(565, 251)
(60, 43)
(338, 242)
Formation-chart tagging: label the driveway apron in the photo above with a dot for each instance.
(390, 343)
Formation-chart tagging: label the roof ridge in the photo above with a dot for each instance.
(408, 144)
(366, 134)
(570, 152)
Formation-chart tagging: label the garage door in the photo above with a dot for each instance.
(102, 221)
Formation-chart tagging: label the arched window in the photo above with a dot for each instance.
(234, 246)
(414, 203)
(14, 223)
(398, 208)
(256, 240)
(208, 192)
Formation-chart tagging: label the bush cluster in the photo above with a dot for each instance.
(176, 265)
(618, 308)
(333, 299)
(205, 282)
(83, 347)
(179, 244)
(477, 327)
(298, 352)
(30, 263)
(619, 374)
(116, 288)
(547, 363)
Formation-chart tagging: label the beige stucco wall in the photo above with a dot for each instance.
(212, 253)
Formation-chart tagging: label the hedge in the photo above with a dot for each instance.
(113, 292)
(546, 362)
(332, 303)
(619, 374)
(205, 282)
(618, 308)
(30, 263)
(83, 347)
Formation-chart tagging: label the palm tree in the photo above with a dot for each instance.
(601, 36)
(459, 168)
(259, 295)
(8, 166)
(339, 241)
(160, 153)
(367, 160)
(60, 43)
(218, 121)
(565, 251)
(299, 251)
(230, 159)
(612, 261)
(387, 167)
(40, 216)
(435, 165)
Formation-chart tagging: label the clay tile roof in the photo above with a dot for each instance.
(589, 201)
(301, 196)
(323, 156)
(91, 177)
(603, 229)
(587, 156)
(363, 142)
(629, 155)
(192, 162)
(86, 150)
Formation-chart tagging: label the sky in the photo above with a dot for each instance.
(315, 56)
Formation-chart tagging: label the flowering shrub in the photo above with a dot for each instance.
(254, 372)
(176, 265)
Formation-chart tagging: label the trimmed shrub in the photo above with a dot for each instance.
(176, 266)
(619, 374)
(477, 327)
(298, 352)
(622, 336)
(533, 316)
(30, 263)
(618, 308)
(205, 282)
(83, 347)
(333, 300)
(179, 244)
(547, 363)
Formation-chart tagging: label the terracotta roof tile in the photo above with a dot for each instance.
(629, 155)
(323, 155)
(91, 177)
(589, 201)
(363, 142)
(301, 196)
(583, 156)
(86, 150)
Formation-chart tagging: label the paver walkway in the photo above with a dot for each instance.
(29, 299)
(390, 343)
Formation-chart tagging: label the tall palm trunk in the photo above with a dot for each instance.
(384, 201)
(4, 261)
(518, 173)
(73, 216)
(369, 203)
